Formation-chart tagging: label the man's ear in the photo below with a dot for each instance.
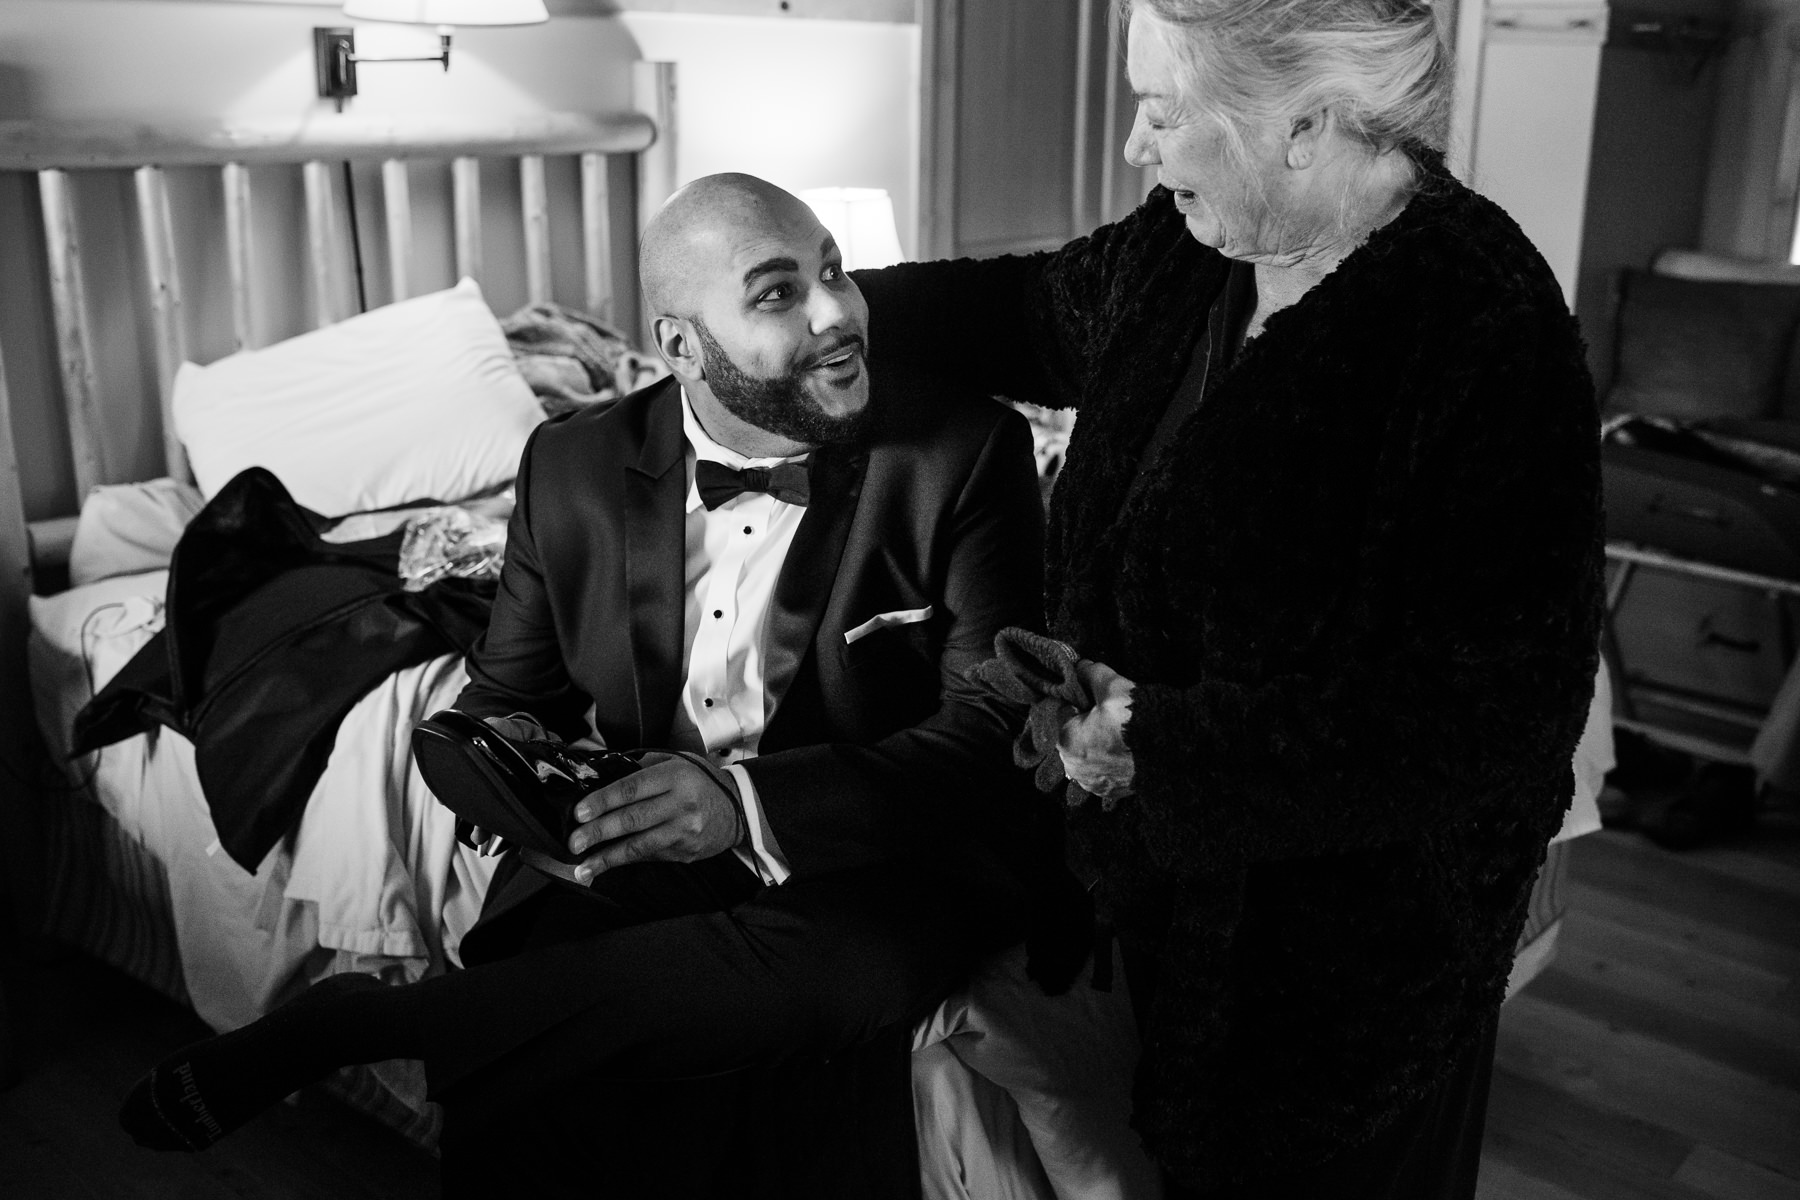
(1306, 134)
(676, 342)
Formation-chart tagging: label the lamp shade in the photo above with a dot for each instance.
(449, 12)
(862, 221)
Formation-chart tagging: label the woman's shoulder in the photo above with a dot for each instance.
(1456, 242)
(1131, 278)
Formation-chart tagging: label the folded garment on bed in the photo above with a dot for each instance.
(272, 635)
(571, 359)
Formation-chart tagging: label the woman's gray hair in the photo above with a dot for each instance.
(1381, 66)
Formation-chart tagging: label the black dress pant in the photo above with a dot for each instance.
(679, 1030)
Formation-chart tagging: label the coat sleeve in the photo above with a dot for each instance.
(1464, 675)
(517, 665)
(838, 805)
(1026, 327)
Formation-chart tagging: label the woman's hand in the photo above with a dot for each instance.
(1092, 744)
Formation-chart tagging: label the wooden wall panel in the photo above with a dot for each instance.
(1015, 151)
(1024, 115)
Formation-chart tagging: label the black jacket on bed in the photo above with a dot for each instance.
(271, 636)
(1358, 590)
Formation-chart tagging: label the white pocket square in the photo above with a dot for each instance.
(900, 616)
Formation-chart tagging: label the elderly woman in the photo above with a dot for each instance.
(1329, 534)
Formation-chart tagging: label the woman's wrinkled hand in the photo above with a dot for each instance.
(1092, 745)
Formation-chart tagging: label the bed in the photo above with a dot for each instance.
(132, 867)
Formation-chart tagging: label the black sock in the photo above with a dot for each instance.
(204, 1091)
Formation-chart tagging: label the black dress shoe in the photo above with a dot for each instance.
(525, 792)
(1719, 798)
(1643, 765)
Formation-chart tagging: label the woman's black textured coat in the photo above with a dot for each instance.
(1359, 594)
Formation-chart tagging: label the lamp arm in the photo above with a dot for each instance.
(442, 56)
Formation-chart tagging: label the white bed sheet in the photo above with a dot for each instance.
(377, 887)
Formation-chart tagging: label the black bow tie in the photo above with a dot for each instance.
(718, 483)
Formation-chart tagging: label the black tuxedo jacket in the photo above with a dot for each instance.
(873, 749)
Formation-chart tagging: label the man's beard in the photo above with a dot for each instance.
(777, 404)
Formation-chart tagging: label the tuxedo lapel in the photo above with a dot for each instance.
(811, 568)
(655, 540)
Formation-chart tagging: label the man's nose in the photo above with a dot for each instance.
(826, 310)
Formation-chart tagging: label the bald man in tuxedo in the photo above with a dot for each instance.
(779, 562)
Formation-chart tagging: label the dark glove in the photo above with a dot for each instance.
(1038, 673)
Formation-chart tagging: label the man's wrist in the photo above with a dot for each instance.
(729, 783)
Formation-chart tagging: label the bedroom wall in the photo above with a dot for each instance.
(801, 99)
(811, 103)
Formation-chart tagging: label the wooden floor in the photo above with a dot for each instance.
(1658, 1057)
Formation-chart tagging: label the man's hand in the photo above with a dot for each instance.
(1092, 745)
(671, 811)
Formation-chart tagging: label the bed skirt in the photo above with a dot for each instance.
(107, 896)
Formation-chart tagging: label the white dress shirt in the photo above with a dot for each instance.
(734, 556)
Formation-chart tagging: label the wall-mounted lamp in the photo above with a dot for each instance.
(334, 50)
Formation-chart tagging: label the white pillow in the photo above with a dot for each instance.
(126, 528)
(418, 400)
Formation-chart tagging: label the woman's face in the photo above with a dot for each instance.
(1231, 204)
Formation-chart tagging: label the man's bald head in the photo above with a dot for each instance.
(693, 236)
(752, 310)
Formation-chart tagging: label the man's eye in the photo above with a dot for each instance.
(779, 292)
(833, 271)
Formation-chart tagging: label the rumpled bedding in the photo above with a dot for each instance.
(572, 359)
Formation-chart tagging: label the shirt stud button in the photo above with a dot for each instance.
(746, 529)
(707, 702)
(717, 613)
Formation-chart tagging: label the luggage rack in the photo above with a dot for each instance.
(1708, 727)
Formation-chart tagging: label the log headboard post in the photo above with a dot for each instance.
(74, 340)
(165, 307)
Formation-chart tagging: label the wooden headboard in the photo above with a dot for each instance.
(607, 149)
